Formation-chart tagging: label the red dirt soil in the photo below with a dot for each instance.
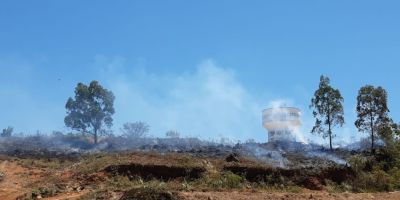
(17, 179)
(20, 180)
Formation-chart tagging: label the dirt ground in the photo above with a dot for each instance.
(20, 180)
(17, 180)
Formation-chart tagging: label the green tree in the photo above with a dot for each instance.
(372, 111)
(135, 129)
(327, 109)
(91, 110)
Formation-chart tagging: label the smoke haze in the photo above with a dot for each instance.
(207, 101)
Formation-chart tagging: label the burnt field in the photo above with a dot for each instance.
(176, 169)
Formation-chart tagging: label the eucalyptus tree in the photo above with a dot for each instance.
(372, 111)
(327, 109)
(91, 110)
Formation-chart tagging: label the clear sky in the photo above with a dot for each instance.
(204, 68)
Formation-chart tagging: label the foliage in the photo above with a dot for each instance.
(91, 110)
(372, 111)
(172, 134)
(135, 129)
(328, 109)
(7, 132)
(357, 162)
(380, 172)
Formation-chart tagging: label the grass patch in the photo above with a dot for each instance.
(217, 181)
(45, 163)
(149, 194)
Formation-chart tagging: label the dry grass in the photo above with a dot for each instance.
(89, 172)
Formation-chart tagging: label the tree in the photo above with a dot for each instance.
(91, 110)
(7, 132)
(396, 128)
(172, 134)
(135, 129)
(328, 109)
(372, 111)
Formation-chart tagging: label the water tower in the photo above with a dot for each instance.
(281, 123)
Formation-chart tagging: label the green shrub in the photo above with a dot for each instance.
(232, 180)
(395, 174)
(221, 180)
(382, 180)
(357, 162)
(376, 180)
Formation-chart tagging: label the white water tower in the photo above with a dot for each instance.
(281, 123)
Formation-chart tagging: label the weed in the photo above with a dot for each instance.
(222, 180)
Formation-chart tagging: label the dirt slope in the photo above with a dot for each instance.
(17, 180)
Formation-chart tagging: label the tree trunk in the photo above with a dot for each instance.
(372, 136)
(330, 131)
(95, 136)
(330, 138)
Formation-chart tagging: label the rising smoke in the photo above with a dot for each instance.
(277, 112)
(208, 102)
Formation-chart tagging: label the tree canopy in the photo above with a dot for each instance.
(91, 110)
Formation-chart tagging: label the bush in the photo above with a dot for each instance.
(358, 163)
(395, 174)
(232, 180)
(372, 174)
(223, 180)
(382, 180)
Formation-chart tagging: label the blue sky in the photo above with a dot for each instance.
(205, 68)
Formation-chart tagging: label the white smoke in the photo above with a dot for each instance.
(276, 113)
(207, 103)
